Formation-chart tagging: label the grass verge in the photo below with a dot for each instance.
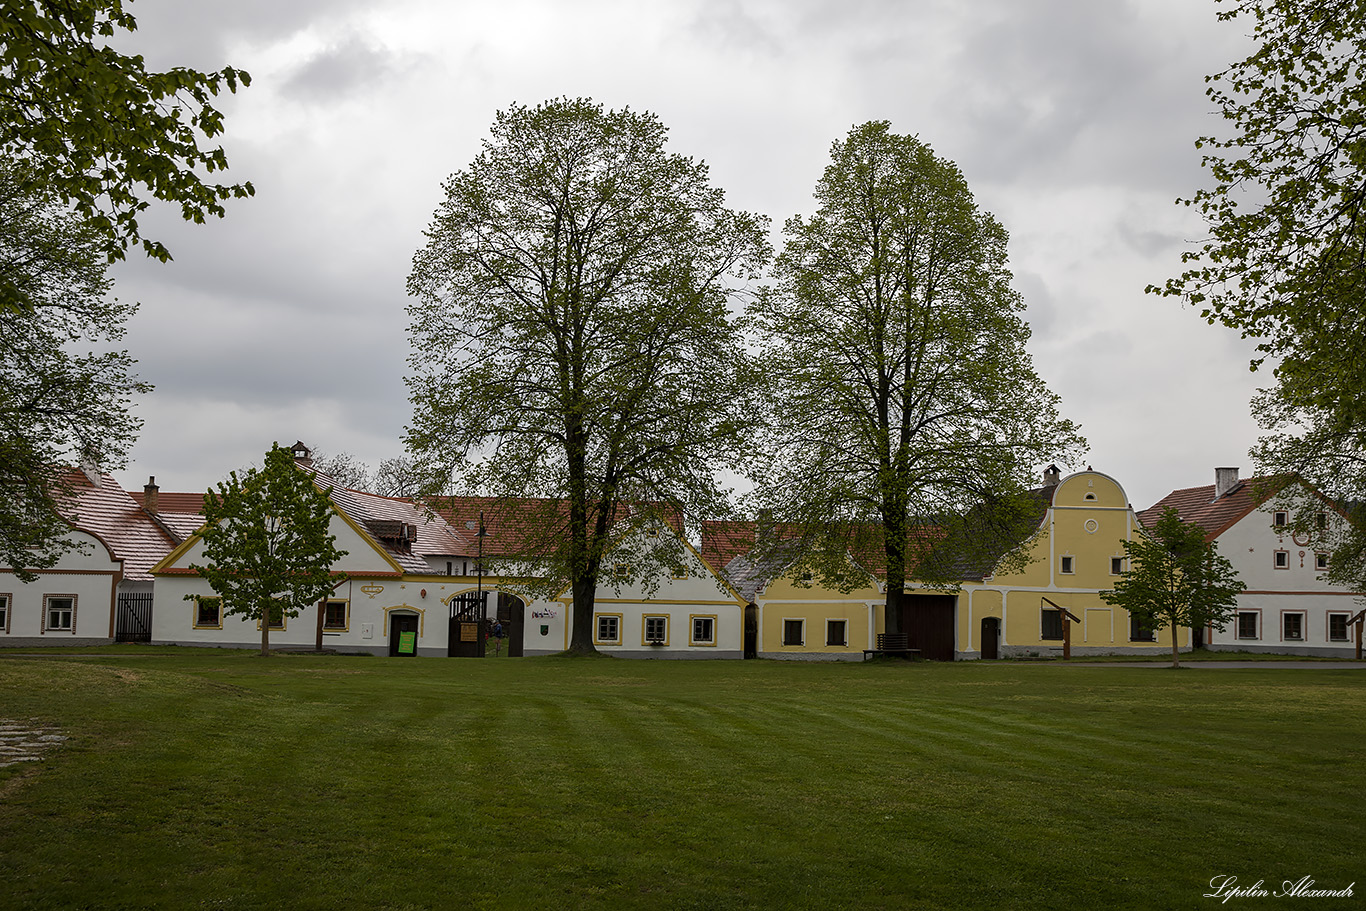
(208, 778)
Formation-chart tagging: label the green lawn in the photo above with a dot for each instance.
(207, 778)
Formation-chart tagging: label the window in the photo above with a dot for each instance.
(679, 572)
(1292, 627)
(277, 616)
(1337, 627)
(1320, 561)
(335, 615)
(4, 613)
(836, 632)
(1067, 565)
(1321, 521)
(1089, 496)
(1282, 559)
(807, 577)
(794, 632)
(59, 613)
(1281, 519)
(1138, 632)
(608, 629)
(657, 630)
(703, 631)
(621, 570)
(208, 613)
(1052, 625)
(1247, 624)
(1116, 566)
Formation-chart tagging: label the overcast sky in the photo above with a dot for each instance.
(1073, 121)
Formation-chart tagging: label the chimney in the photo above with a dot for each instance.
(1051, 476)
(149, 495)
(763, 528)
(1225, 481)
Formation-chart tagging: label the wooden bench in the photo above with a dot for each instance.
(892, 644)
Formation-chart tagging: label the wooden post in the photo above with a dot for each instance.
(1068, 618)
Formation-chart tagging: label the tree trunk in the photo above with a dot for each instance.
(265, 629)
(1176, 653)
(584, 590)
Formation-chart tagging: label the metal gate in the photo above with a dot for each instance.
(134, 617)
(467, 626)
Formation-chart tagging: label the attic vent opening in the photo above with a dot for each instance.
(396, 535)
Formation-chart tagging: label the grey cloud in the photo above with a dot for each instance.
(340, 70)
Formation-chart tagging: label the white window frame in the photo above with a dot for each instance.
(1285, 616)
(47, 614)
(346, 615)
(1256, 616)
(844, 625)
(7, 608)
(1320, 560)
(645, 622)
(1277, 562)
(693, 639)
(197, 621)
(598, 629)
(1346, 627)
(1067, 565)
(801, 626)
(1116, 566)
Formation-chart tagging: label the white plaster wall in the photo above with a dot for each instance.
(89, 576)
(1250, 545)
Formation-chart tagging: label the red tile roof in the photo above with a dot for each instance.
(109, 513)
(1197, 505)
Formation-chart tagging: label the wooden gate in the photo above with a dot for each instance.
(468, 626)
(928, 622)
(134, 622)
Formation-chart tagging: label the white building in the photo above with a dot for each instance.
(102, 587)
(1288, 607)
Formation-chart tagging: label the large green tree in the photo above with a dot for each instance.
(1175, 578)
(267, 545)
(100, 131)
(573, 337)
(903, 404)
(1285, 261)
(64, 391)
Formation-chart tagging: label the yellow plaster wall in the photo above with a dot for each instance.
(1091, 532)
(784, 599)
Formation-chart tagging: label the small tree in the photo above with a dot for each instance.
(266, 539)
(1175, 578)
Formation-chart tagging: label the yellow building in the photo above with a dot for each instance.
(1077, 554)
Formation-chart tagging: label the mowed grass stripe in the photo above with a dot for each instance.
(316, 782)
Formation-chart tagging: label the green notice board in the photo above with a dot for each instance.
(407, 642)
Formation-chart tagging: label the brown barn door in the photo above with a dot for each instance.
(928, 622)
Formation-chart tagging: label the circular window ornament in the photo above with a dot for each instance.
(1092, 526)
(1301, 540)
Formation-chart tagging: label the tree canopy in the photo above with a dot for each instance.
(100, 131)
(572, 334)
(268, 549)
(1175, 578)
(902, 403)
(1286, 258)
(64, 394)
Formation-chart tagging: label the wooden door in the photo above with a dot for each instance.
(991, 638)
(401, 645)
